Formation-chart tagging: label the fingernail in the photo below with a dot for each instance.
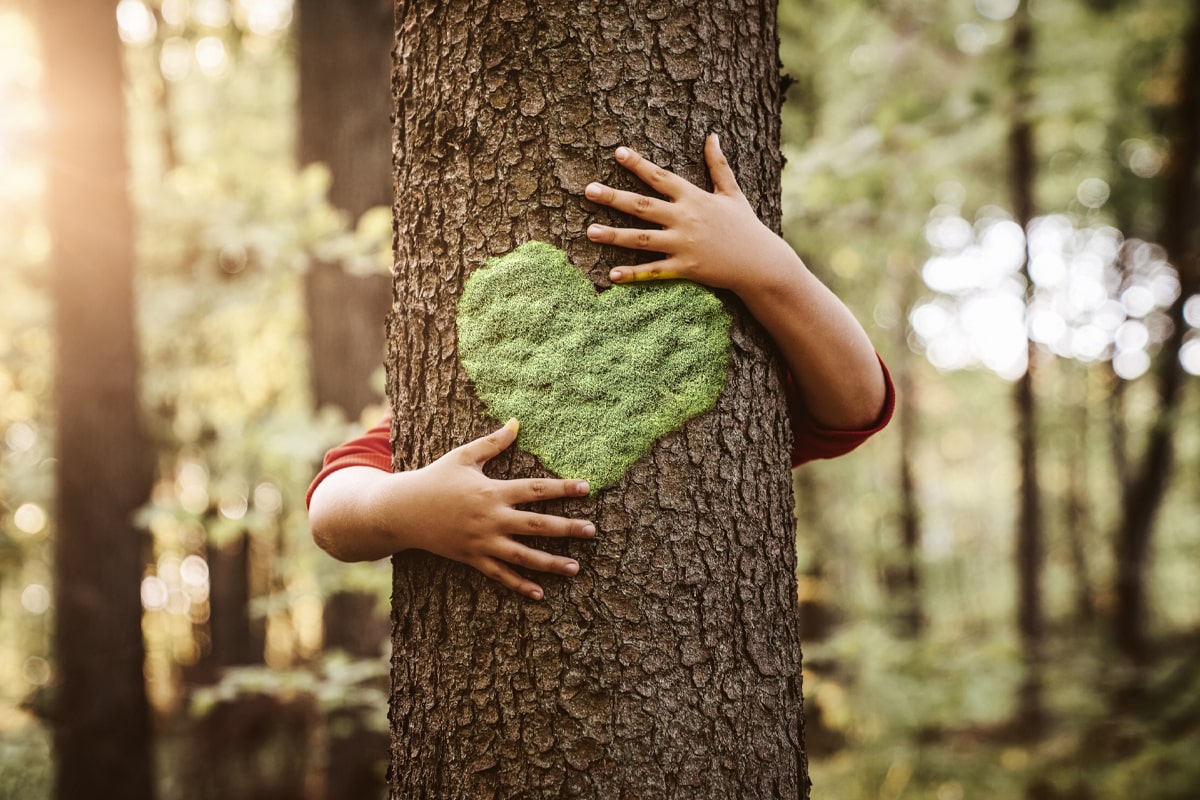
(589, 529)
(592, 190)
(571, 568)
(616, 275)
(582, 487)
(594, 230)
(513, 425)
(622, 153)
(536, 594)
(717, 140)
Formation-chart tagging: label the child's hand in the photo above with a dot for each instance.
(452, 509)
(716, 239)
(711, 238)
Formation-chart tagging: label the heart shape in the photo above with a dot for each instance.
(593, 378)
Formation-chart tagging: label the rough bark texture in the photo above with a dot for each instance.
(345, 64)
(102, 736)
(670, 665)
(1030, 545)
(1147, 486)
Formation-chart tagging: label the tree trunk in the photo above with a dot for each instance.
(345, 63)
(1030, 545)
(102, 734)
(1148, 483)
(911, 614)
(236, 640)
(670, 665)
(345, 101)
(1078, 513)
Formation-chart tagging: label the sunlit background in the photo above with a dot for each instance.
(896, 193)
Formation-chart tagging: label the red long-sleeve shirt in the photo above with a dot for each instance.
(810, 439)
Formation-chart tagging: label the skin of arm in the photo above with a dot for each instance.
(450, 508)
(715, 238)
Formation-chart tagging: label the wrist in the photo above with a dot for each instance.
(389, 510)
(776, 281)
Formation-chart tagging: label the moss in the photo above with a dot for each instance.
(593, 378)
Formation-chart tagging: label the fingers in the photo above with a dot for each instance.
(662, 270)
(531, 523)
(486, 448)
(531, 490)
(724, 181)
(660, 180)
(658, 241)
(508, 578)
(638, 205)
(520, 555)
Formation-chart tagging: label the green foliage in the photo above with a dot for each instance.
(593, 379)
(25, 762)
(335, 683)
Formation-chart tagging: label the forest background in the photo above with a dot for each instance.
(904, 188)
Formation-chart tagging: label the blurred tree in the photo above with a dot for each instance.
(911, 614)
(345, 103)
(344, 64)
(670, 666)
(1030, 544)
(102, 724)
(1180, 227)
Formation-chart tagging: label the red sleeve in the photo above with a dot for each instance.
(811, 440)
(372, 449)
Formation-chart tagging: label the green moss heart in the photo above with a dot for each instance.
(593, 378)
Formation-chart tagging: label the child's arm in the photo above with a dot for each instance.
(450, 508)
(716, 239)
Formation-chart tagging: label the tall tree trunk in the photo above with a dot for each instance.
(1148, 482)
(1079, 521)
(345, 63)
(235, 638)
(1029, 536)
(670, 665)
(102, 733)
(912, 615)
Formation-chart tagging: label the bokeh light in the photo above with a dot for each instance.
(1095, 296)
(135, 22)
(154, 593)
(20, 437)
(30, 518)
(35, 598)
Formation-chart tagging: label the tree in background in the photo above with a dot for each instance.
(1147, 483)
(102, 721)
(344, 107)
(1030, 537)
(670, 665)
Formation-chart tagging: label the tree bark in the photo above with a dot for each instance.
(1030, 546)
(102, 733)
(1148, 482)
(670, 665)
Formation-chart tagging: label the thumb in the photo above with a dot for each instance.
(485, 448)
(723, 178)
